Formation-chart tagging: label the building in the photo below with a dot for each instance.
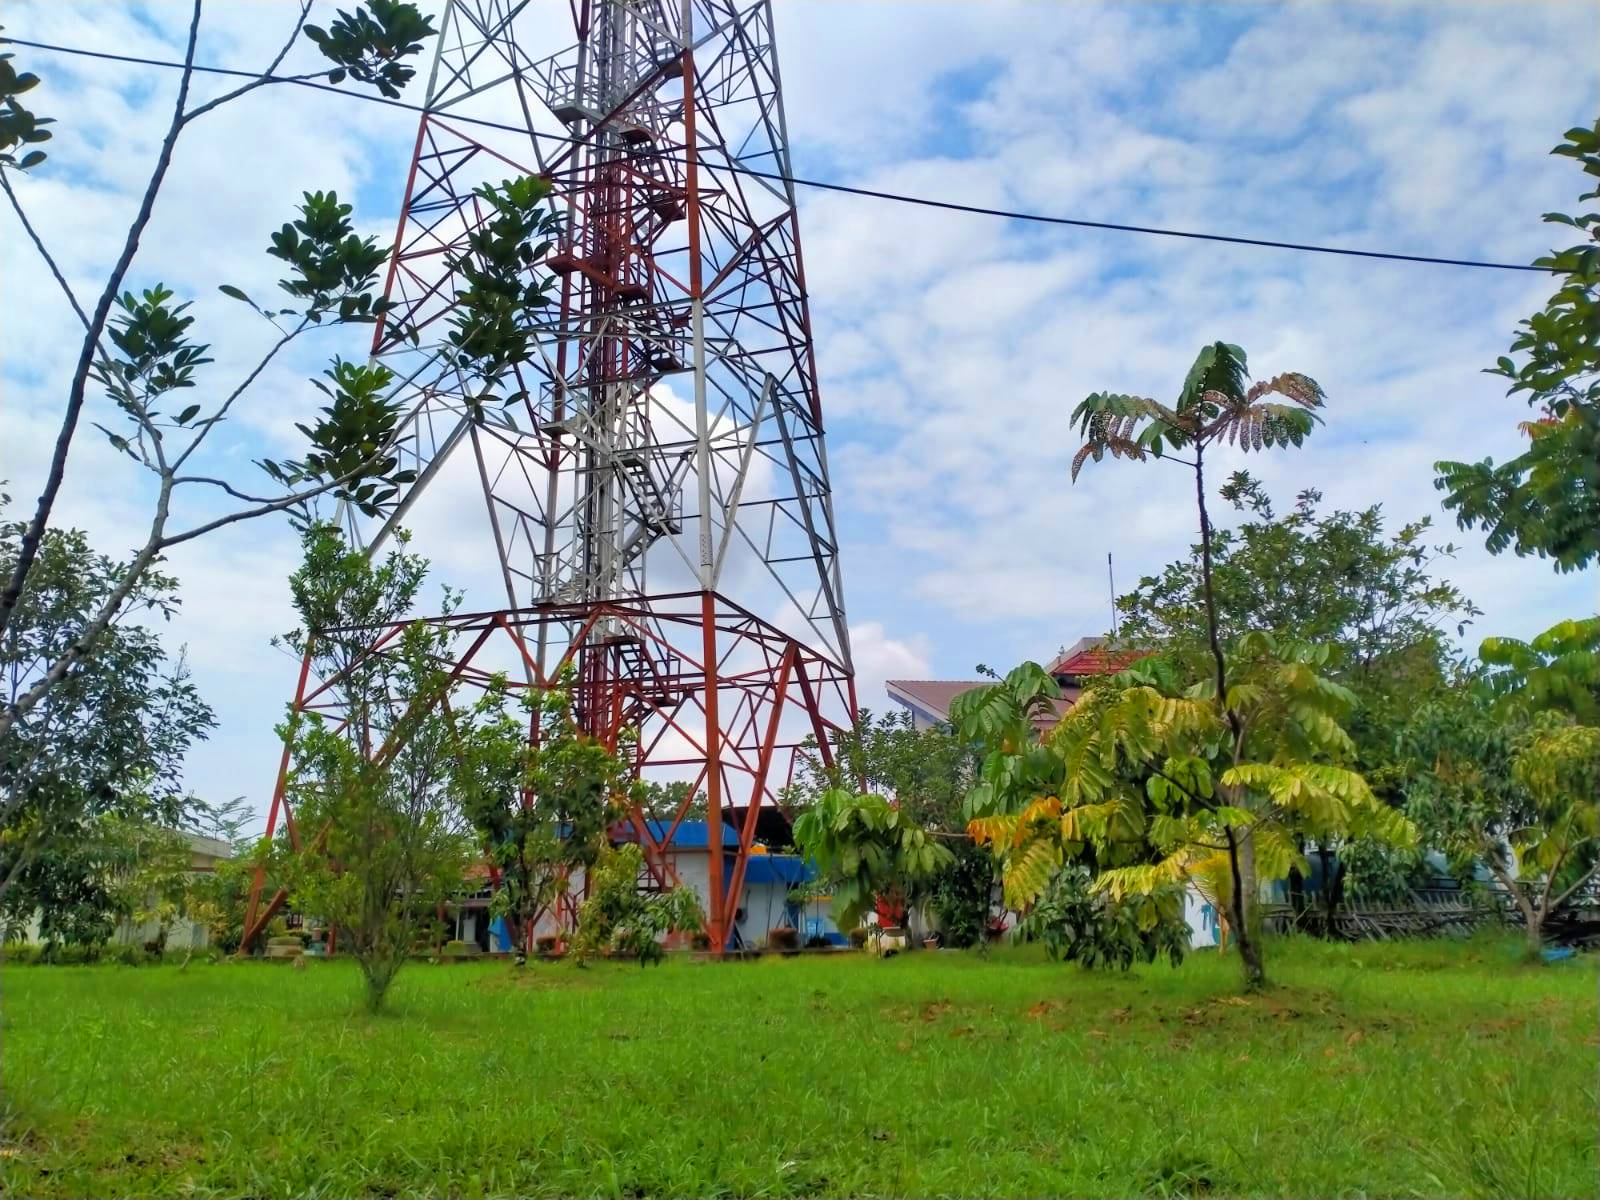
(928, 700)
(764, 903)
(182, 934)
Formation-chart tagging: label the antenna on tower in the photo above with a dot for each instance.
(1111, 580)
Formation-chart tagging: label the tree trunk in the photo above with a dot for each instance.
(1241, 846)
(379, 971)
(1246, 909)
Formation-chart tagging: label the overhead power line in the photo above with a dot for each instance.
(820, 184)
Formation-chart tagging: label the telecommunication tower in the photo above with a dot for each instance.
(659, 502)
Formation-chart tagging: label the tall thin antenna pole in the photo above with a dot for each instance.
(1111, 580)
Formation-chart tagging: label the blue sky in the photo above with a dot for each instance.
(952, 348)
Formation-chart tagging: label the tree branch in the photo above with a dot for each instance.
(266, 76)
(1568, 894)
(28, 549)
(211, 422)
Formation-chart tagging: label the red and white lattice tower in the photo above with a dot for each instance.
(659, 504)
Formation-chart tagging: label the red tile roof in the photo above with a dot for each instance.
(1090, 657)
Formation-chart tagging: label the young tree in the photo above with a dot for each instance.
(618, 918)
(1546, 500)
(926, 773)
(868, 850)
(1075, 921)
(1217, 406)
(391, 846)
(1221, 791)
(380, 787)
(541, 795)
(109, 742)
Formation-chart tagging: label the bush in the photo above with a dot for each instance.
(459, 949)
(129, 956)
(20, 953)
(858, 936)
(961, 895)
(783, 938)
(546, 943)
(1077, 925)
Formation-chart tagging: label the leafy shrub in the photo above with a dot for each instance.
(961, 895)
(459, 949)
(783, 938)
(20, 953)
(617, 918)
(1077, 925)
(129, 956)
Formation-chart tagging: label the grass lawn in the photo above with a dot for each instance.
(1423, 1069)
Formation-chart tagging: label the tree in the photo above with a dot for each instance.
(1507, 770)
(1333, 578)
(108, 743)
(541, 795)
(926, 771)
(380, 787)
(1546, 500)
(1217, 406)
(866, 850)
(391, 847)
(1076, 923)
(662, 801)
(619, 918)
(142, 349)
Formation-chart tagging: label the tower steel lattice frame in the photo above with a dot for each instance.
(676, 273)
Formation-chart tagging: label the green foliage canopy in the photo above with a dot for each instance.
(1546, 500)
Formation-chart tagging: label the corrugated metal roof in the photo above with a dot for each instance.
(933, 696)
(690, 835)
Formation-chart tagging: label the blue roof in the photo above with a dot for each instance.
(690, 835)
(785, 869)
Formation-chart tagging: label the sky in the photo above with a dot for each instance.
(952, 348)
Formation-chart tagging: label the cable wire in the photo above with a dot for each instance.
(819, 184)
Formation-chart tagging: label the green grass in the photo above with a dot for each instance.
(1426, 1069)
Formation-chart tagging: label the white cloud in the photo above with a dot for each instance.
(879, 656)
(952, 347)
